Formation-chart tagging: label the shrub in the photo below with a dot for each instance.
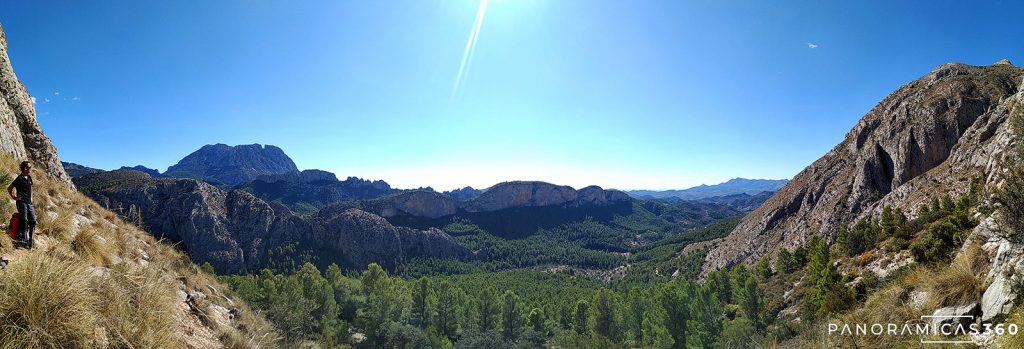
(936, 244)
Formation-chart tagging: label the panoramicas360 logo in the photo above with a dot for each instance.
(953, 326)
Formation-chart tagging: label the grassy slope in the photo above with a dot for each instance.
(95, 281)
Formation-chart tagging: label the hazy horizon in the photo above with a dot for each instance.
(642, 95)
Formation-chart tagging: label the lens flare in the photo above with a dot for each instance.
(467, 54)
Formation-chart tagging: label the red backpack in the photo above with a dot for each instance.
(13, 228)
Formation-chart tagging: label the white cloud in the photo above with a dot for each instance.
(33, 100)
(46, 100)
(56, 93)
(75, 99)
(812, 45)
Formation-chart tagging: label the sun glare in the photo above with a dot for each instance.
(467, 54)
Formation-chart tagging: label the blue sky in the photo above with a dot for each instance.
(622, 94)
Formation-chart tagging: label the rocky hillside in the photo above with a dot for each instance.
(20, 133)
(930, 137)
(232, 165)
(234, 230)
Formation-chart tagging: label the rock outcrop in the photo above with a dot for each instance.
(20, 133)
(232, 165)
(930, 137)
(362, 238)
(418, 203)
(534, 194)
(233, 230)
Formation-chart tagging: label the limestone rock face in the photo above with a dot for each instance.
(928, 138)
(20, 133)
(535, 194)
(419, 203)
(364, 238)
(594, 195)
(521, 194)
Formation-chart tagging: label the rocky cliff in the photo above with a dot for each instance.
(232, 165)
(20, 133)
(233, 230)
(533, 194)
(928, 138)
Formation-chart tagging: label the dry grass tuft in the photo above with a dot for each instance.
(962, 282)
(889, 305)
(60, 227)
(46, 302)
(89, 246)
(143, 315)
(6, 244)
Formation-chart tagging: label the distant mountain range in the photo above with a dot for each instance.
(355, 221)
(734, 186)
(270, 174)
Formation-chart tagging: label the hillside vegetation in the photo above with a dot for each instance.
(96, 281)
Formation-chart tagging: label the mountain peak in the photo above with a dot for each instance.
(233, 165)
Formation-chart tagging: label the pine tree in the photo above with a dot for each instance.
(762, 270)
(637, 313)
(565, 316)
(605, 306)
(448, 299)
(511, 316)
(750, 302)
(675, 299)
(784, 263)
(705, 324)
(420, 309)
(826, 293)
(537, 320)
(582, 319)
(488, 308)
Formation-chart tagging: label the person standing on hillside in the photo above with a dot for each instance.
(23, 199)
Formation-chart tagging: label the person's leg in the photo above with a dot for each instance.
(31, 224)
(22, 219)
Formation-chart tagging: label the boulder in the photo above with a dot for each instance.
(962, 314)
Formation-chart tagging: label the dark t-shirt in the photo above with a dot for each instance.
(23, 184)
